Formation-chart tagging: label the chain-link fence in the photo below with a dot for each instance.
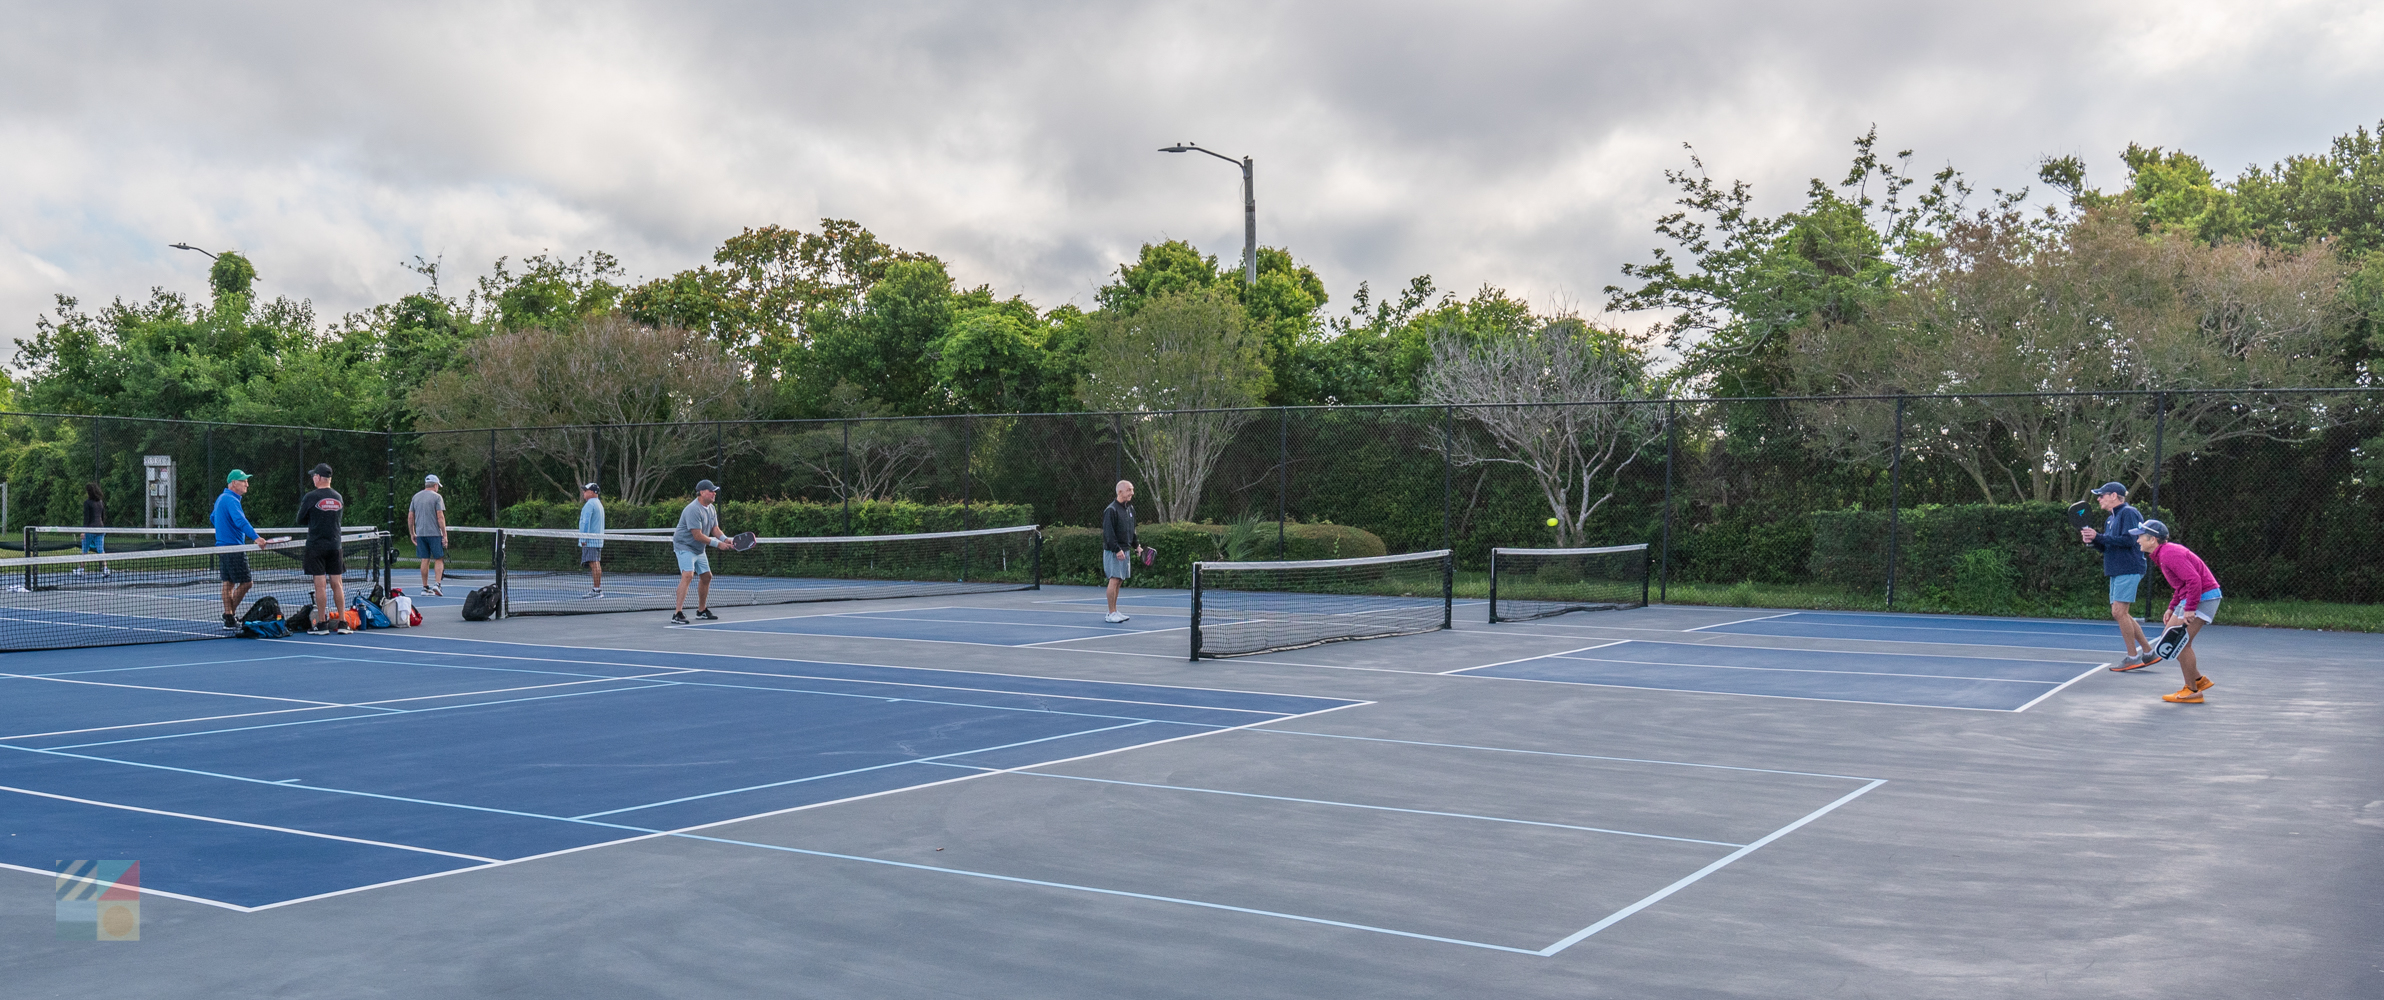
(1951, 503)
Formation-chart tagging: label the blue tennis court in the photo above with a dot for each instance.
(2099, 636)
(984, 626)
(1948, 681)
(268, 772)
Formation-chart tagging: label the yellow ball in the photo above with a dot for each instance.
(1552, 522)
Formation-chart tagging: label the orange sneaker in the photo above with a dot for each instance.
(2202, 684)
(2183, 696)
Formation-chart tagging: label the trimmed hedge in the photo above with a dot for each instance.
(1996, 559)
(1073, 555)
(784, 518)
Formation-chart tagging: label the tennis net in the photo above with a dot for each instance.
(541, 572)
(1537, 583)
(1240, 608)
(47, 539)
(123, 598)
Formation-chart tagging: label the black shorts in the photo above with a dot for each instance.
(325, 560)
(232, 566)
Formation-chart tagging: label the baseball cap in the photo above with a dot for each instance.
(322, 469)
(705, 484)
(590, 487)
(430, 480)
(2110, 488)
(2153, 528)
(235, 476)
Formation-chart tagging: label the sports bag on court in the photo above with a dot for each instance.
(481, 605)
(262, 609)
(368, 614)
(303, 620)
(263, 620)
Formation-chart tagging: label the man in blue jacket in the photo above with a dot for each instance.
(2123, 562)
(232, 528)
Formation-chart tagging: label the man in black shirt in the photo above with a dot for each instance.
(1118, 545)
(319, 513)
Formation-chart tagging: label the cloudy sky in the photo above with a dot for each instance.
(1518, 144)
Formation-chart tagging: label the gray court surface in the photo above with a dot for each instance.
(1668, 802)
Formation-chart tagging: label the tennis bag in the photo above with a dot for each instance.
(263, 620)
(481, 605)
(369, 614)
(303, 620)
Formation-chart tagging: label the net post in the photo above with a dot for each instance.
(1643, 577)
(846, 487)
(1448, 588)
(1036, 556)
(1494, 585)
(1671, 458)
(1195, 630)
(29, 553)
(496, 543)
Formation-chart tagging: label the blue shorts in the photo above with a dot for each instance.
(2123, 587)
(429, 547)
(95, 543)
(232, 567)
(1116, 568)
(2207, 607)
(693, 562)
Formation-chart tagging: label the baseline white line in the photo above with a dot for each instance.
(1742, 621)
(146, 891)
(1554, 753)
(235, 822)
(1081, 638)
(1733, 694)
(151, 687)
(1857, 652)
(2090, 671)
(1657, 896)
(1788, 670)
(1543, 656)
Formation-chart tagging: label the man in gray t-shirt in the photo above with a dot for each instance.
(697, 534)
(426, 521)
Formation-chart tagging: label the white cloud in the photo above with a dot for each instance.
(1519, 144)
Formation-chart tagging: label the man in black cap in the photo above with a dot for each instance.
(697, 534)
(2124, 565)
(319, 513)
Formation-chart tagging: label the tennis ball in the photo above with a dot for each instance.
(1552, 522)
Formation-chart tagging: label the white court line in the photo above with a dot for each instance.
(1792, 670)
(363, 704)
(191, 663)
(2090, 671)
(1934, 628)
(1736, 694)
(1543, 656)
(1081, 638)
(1362, 805)
(1657, 896)
(1742, 621)
(1553, 753)
(234, 822)
(149, 687)
(1740, 643)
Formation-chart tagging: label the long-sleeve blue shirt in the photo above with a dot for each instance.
(2120, 554)
(231, 522)
(591, 522)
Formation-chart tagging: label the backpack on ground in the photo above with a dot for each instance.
(481, 605)
(263, 609)
(368, 614)
(402, 613)
(263, 620)
(303, 620)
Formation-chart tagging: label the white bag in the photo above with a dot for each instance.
(400, 610)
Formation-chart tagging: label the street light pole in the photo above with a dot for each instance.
(1249, 207)
(186, 246)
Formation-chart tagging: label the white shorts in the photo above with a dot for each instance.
(694, 562)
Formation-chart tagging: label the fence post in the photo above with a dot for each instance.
(968, 454)
(2160, 430)
(210, 432)
(304, 483)
(491, 487)
(1895, 503)
(1283, 484)
(1448, 440)
(389, 469)
(720, 453)
(1671, 458)
(847, 484)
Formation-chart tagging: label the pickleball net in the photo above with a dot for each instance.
(543, 572)
(168, 595)
(1241, 608)
(1540, 583)
(60, 540)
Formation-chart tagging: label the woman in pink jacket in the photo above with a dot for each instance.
(2194, 602)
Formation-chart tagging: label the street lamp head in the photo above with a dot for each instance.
(1178, 148)
(186, 246)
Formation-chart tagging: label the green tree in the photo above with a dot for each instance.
(1281, 306)
(1192, 350)
(761, 292)
(550, 293)
(883, 347)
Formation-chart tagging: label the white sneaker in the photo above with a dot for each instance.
(1114, 617)
(592, 595)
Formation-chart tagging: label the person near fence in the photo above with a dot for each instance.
(2193, 602)
(591, 541)
(426, 521)
(697, 534)
(232, 528)
(1118, 544)
(2124, 565)
(95, 515)
(319, 512)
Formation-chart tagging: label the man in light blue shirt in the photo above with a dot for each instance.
(698, 533)
(591, 540)
(232, 528)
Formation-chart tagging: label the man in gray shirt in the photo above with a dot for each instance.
(698, 533)
(426, 521)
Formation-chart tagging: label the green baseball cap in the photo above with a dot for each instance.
(235, 476)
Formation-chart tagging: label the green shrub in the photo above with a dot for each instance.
(1073, 555)
(1983, 582)
(2032, 561)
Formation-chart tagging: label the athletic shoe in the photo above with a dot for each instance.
(2136, 661)
(678, 618)
(2183, 696)
(231, 622)
(706, 614)
(1114, 617)
(342, 628)
(434, 591)
(2204, 684)
(591, 595)
(319, 629)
